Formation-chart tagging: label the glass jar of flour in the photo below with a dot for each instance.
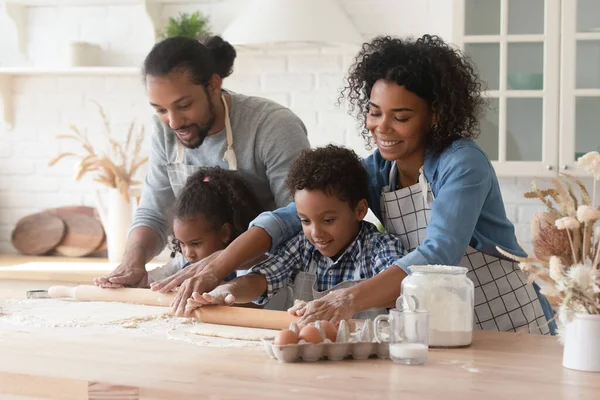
(448, 294)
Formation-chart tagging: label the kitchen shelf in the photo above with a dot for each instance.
(7, 74)
(95, 3)
(16, 11)
(31, 71)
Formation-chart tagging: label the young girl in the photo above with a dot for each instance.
(419, 101)
(215, 206)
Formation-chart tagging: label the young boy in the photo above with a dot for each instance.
(335, 251)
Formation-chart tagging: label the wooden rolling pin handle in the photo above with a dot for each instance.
(59, 292)
(123, 295)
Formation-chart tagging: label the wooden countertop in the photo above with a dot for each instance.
(49, 268)
(496, 366)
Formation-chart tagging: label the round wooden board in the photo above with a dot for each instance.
(90, 212)
(83, 235)
(38, 233)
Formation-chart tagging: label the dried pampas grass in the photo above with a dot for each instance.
(566, 243)
(115, 168)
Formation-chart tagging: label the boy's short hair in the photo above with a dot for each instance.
(332, 169)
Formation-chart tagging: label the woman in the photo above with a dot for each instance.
(418, 101)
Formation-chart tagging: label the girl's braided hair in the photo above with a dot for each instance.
(221, 197)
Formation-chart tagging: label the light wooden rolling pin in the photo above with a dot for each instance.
(222, 315)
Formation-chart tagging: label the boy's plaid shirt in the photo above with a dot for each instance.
(371, 252)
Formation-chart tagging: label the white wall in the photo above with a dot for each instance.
(306, 81)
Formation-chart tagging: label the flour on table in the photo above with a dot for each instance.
(64, 315)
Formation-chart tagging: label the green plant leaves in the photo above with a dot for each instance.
(193, 26)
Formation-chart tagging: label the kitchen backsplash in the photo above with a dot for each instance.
(307, 81)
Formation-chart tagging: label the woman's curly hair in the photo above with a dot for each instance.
(428, 67)
(332, 169)
(221, 197)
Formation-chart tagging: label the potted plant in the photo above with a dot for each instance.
(566, 262)
(114, 169)
(194, 26)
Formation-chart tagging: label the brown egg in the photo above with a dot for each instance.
(286, 337)
(330, 330)
(311, 334)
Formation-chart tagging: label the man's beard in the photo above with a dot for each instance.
(202, 130)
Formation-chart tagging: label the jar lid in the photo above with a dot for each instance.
(438, 269)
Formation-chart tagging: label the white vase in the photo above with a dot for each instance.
(116, 215)
(582, 343)
(83, 54)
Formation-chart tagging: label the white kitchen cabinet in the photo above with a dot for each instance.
(540, 60)
(580, 80)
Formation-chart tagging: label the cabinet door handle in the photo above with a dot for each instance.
(549, 167)
(564, 167)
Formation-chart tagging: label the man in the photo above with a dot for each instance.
(198, 124)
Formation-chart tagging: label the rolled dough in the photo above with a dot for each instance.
(231, 332)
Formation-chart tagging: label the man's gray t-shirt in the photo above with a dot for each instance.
(267, 138)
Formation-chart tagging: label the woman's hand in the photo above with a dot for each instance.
(168, 284)
(336, 306)
(221, 295)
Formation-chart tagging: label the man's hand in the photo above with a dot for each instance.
(125, 275)
(201, 283)
(168, 284)
(141, 245)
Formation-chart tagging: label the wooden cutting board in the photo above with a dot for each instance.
(38, 233)
(67, 211)
(83, 236)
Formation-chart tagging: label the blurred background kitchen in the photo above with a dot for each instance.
(64, 63)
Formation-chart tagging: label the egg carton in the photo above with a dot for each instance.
(359, 345)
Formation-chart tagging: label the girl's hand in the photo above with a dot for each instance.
(219, 296)
(336, 306)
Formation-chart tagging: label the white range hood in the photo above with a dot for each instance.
(295, 22)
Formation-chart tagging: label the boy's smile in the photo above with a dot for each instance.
(329, 223)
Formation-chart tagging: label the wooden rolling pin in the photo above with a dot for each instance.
(122, 295)
(222, 315)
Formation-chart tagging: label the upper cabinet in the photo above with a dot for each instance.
(580, 80)
(540, 61)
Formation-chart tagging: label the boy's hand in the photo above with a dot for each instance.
(336, 306)
(219, 296)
